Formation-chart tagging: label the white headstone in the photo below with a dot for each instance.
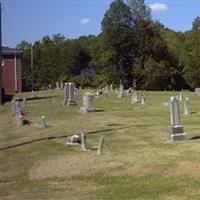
(197, 91)
(187, 106)
(43, 121)
(120, 93)
(57, 86)
(83, 142)
(136, 98)
(100, 147)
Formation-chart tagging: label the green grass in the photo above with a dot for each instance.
(138, 161)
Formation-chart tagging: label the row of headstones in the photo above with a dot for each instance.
(19, 116)
(81, 139)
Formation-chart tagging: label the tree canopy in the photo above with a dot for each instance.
(130, 46)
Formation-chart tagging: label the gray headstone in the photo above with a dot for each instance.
(181, 96)
(87, 103)
(197, 91)
(100, 147)
(176, 129)
(120, 93)
(13, 108)
(186, 106)
(61, 86)
(71, 97)
(43, 121)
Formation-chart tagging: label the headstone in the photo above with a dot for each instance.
(73, 140)
(111, 86)
(136, 98)
(176, 129)
(69, 94)
(100, 147)
(49, 87)
(181, 96)
(120, 93)
(13, 108)
(61, 86)
(57, 86)
(143, 101)
(43, 121)
(20, 120)
(87, 100)
(197, 91)
(24, 102)
(84, 146)
(187, 106)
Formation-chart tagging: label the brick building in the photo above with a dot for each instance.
(11, 70)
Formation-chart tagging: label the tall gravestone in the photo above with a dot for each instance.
(43, 121)
(186, 106)
(176, 129)
(197, 91)
(84, 146)
(120, 93)
(69, 97)
(100, 147)
(87, 103)
(61, 86)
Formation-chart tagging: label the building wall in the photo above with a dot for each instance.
(11, 78)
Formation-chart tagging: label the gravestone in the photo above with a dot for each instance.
(100, 147)
(143, 101)
(24, 102)
(69, 94)
(181, 96)
(43, 121)
(87, 103)
(186, 106)
(111, 86)
(61, 86)
(120, 93)
(57, 86)
(13, 108)
(176, 129)
(197, 91)
(73, 140)
(136, 98)
(84, 146)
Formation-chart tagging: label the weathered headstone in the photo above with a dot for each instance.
(143, 101)
(13, 108)
(176, 129)
(61, 86)
(73, 140)
(197, 91)
(69, 94)
(136, 98)
(100, 147)
(57, 86)
(87, 100)
(187, 106)
(181, 96)
(120, 93)
(43, 121)
(84, 146)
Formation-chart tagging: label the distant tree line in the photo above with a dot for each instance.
(130, 46)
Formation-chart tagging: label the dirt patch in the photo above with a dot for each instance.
(69, 166)
(187, 168)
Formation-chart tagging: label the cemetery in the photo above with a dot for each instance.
(129, 150)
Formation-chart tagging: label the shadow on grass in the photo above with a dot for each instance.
(194, 138)
(36, 98)
(64, 136)
(7, 98)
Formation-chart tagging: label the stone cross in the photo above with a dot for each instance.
(176, 130)
(87, 99)
(187, 106)
(100, 147)
(43, 121)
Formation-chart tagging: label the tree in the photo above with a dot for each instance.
(117, 37)
(196, 24)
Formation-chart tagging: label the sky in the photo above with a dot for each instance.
(31, 20)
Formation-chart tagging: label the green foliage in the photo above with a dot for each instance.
(131, 46)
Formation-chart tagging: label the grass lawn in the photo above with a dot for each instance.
(138, 161)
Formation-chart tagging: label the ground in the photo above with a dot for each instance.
(138, 162)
